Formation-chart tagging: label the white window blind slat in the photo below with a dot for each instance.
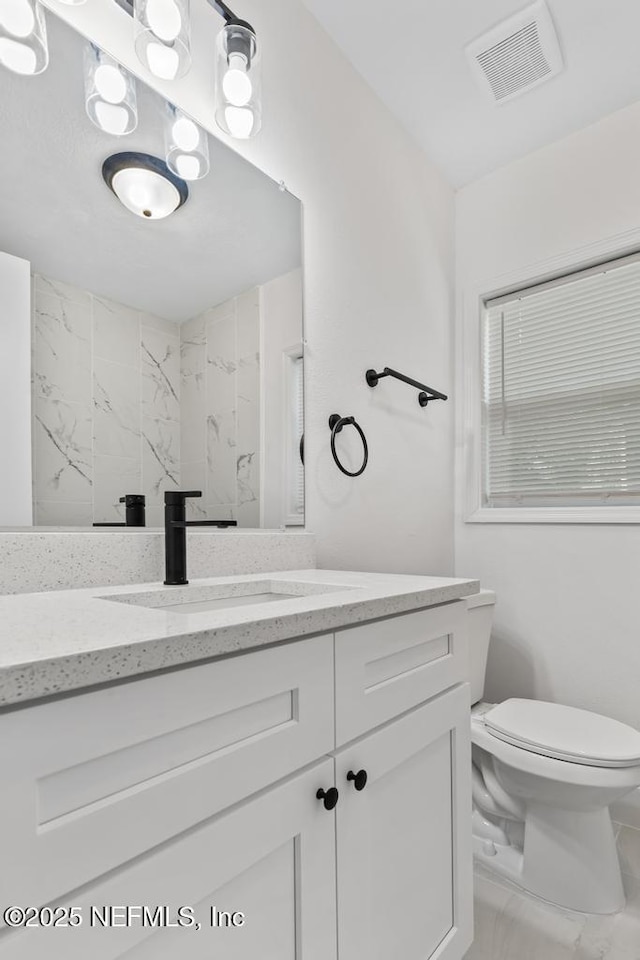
(561, 391)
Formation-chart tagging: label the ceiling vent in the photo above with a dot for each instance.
(517, 55)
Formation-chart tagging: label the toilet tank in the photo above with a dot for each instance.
(480, 613)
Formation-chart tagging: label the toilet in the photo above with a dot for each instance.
(544, 776)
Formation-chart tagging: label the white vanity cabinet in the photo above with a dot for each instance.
(403, 850)
(198, 788)
(271, 859)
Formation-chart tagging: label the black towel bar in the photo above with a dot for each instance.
(426, 393)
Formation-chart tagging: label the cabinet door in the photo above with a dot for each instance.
(404, 840)
(271, 859)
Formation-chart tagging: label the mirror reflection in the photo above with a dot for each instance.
(166, 334)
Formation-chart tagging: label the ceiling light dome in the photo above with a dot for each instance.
(144, 185)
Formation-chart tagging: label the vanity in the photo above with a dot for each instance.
(248, 752)
(265, 766)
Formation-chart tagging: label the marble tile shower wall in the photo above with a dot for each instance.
(220, 394)
(106, 406)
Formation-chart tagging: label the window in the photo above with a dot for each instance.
(561, 391)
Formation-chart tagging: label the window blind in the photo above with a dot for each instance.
(561, 391)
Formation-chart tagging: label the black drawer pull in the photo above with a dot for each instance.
(359, 779)
(329, 797)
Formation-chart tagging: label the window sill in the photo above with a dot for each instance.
(611, 515)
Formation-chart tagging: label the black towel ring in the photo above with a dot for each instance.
(336, 423)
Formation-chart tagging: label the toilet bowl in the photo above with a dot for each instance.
(544, 776)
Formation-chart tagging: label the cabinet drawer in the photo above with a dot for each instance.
(388, 666)
(98, 778)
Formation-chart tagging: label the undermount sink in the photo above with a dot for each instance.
(199, 598)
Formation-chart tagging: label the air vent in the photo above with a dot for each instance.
(517, 55)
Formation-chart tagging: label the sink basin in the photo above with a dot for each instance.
(219, 603)
(198, 598)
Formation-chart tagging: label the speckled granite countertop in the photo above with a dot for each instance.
(65, 640)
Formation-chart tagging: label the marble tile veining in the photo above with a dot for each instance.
(160, 355)
(98, 368)
(62, 346)
(64, 467)
(160, 457)
(116, 417)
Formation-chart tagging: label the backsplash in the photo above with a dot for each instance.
(106, 406)
(62, 560)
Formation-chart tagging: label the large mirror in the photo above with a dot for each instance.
(165, 353)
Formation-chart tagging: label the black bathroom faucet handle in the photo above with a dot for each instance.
(173, 498)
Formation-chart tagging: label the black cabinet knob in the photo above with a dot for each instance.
(329, 797)
(359, 779)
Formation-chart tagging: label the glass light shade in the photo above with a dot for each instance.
(238, 82)
(110, 93)
(146, 193)
(144, 185)
(186, 145)
(162, 32)
(23, 37)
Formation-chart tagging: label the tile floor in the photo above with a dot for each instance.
(513, 925)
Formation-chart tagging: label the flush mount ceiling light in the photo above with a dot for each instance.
(144, 184)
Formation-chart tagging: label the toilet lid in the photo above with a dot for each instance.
(564, 733)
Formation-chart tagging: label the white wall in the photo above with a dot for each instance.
(378, 239)
(15, 393)
(566, 624)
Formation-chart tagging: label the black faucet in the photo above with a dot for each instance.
(134, 512)
(175, 534)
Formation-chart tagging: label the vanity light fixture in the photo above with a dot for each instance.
(144, 184)
(110, 93)
(23, 37)
(186, 144)
(162, 36)
(238, 82)
(162, 42)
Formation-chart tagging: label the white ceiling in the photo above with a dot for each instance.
(237, 229)
(411, 52)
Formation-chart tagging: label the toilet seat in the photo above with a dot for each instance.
(564, 733)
